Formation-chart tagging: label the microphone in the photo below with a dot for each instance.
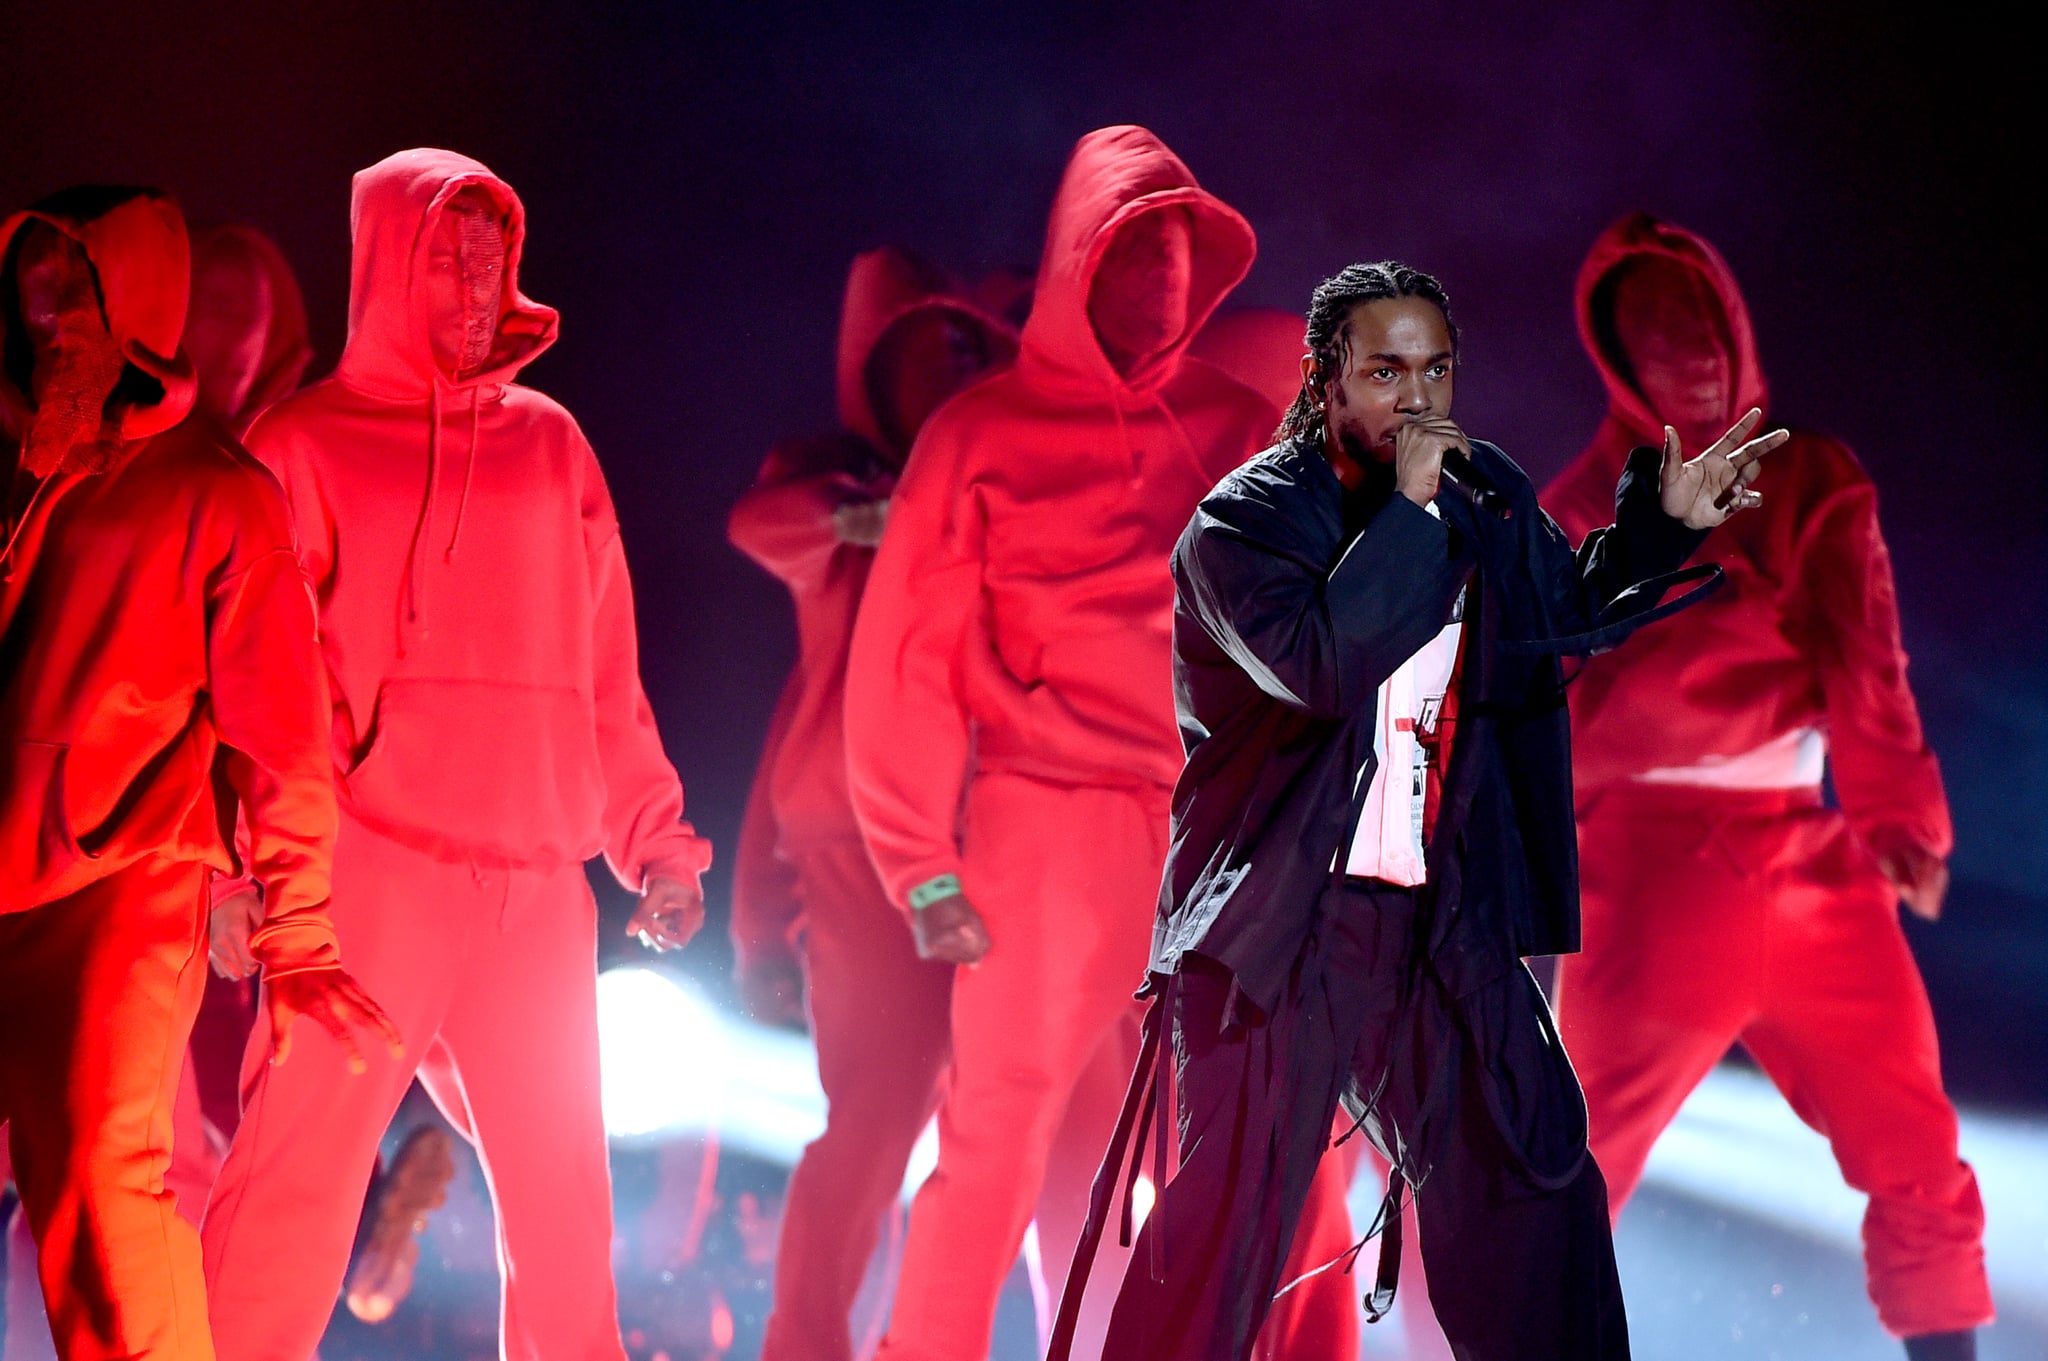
(1470, 483)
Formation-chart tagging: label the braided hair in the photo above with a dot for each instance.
(1329, 327)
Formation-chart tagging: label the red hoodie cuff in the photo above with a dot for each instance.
(1889, 842)
(298, 944)
(905, 881)
(225, 886)
(683, 861)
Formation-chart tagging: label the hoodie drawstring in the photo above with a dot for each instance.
(21, 525)
(468, 475)
(413, 594)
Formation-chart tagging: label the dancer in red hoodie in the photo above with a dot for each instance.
(245, 335)
(1723, 901)
(161, 653)
(1011, 661)
(489, 735)
(804, 888)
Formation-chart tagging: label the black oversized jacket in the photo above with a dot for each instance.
(1286, 621)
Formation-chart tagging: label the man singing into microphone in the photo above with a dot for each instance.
(1373, 828)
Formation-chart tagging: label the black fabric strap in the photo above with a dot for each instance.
(1623, 614)
(1140, 1093)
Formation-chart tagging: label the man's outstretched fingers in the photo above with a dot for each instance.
(1738, 432)
(1747, 456)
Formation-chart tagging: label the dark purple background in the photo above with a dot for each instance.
(697, 180)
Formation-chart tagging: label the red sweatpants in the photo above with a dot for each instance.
(98, 993)
(1066, 879)
(490, 976)
(196, 1150)
(1713, 916)
(879, 1019)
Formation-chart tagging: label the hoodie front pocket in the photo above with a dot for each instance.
(477, 766)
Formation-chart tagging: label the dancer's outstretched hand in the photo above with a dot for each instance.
(670, 912)
(1707, 490)
(333, 1001)
(950, 930)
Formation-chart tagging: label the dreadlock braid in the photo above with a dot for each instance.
(1329, 327)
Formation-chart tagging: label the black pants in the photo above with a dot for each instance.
(1474, 1100)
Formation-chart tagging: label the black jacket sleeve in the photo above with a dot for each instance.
(1318, 638)
(1642, 543)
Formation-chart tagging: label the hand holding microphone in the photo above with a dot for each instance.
(1430, 451)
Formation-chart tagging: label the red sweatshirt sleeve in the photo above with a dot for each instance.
(764, 896)
(269, 699)
(907, 725)
(1845, 616)
(784, 522)
(645, 834)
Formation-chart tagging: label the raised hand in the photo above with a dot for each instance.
(861, 522)
(333, 1001)
(670, 912)
(1419, 448)
(1707, 490)
(950, 930)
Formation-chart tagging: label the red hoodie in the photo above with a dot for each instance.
(246, 328)
(785, 524)
(1806, 635)
(1021, 596)
(157, 627)
(475, 610)
(1260, 347)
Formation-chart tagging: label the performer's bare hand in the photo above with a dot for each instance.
(1419, 455)
(228, 928)
(1714, 486)
(333, 1001)
(1921, 877)
(670, 912)
(772, 988)
(861, 522)
(950, 930)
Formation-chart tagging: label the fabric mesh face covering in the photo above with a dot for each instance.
(72, 380)
(481, 245)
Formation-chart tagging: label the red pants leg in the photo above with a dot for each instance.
(1711, 916)
(195, 1161)
(1321, 1317)
(521, 1038)
(1071, 1164)
(98, 992)
(1672, 968)
(879, 1016)
(284, 1211)
(1067, 880)
(1847, 1034)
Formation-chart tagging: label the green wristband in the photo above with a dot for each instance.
(933, 889)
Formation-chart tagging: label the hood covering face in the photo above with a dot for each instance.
(395, 211)
(121, 343)
(885, 289)
(1115, 176)
(246, 328)
(1711, 287)
(1260, 347)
